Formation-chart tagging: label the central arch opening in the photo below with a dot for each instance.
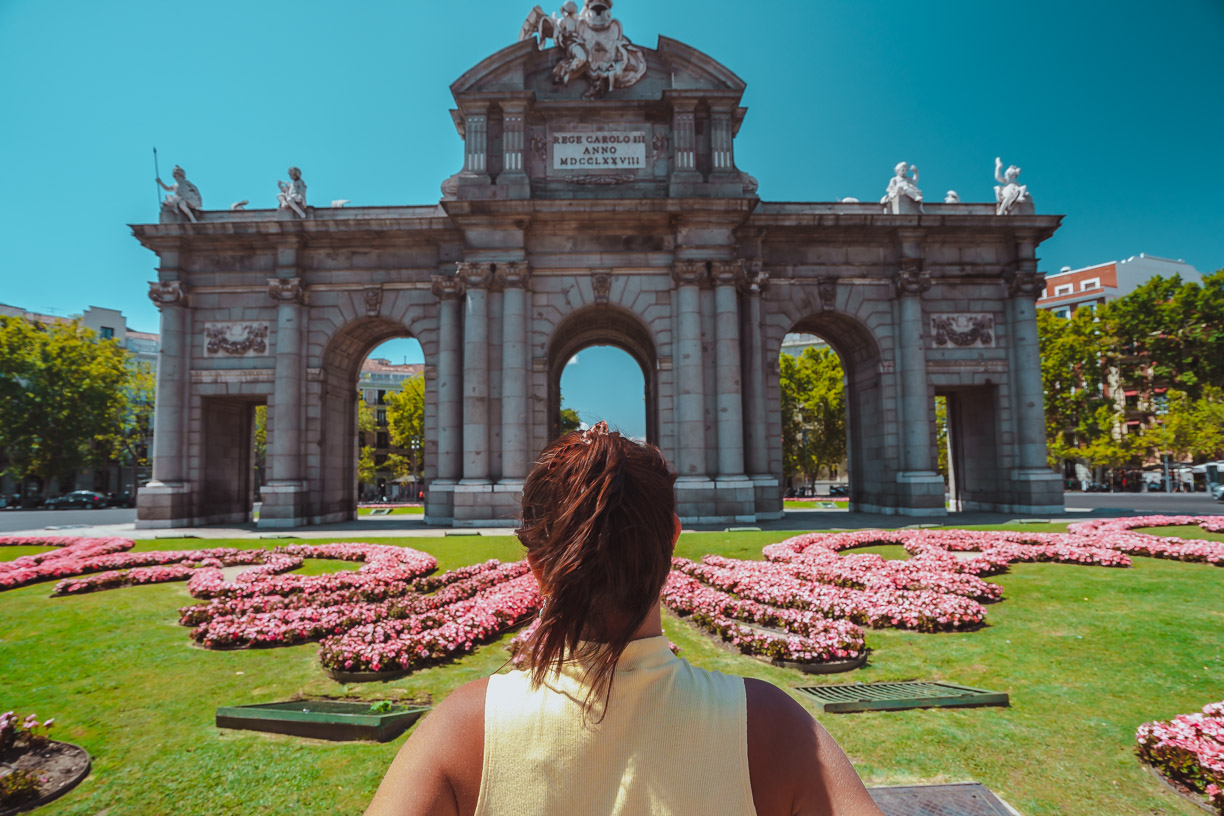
(609, 343)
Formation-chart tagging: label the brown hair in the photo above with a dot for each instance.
(599, 527)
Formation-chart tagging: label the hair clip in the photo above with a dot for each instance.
(598, 429)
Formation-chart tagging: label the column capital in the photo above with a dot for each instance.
(755, 279)
(912, 279)
(727, 273)
(286, 290)
(475, 275)
(513, 274)
(168, 293)
(689, 273)
(447, 286)
(1024, 283)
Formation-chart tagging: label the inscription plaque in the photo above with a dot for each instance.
(617, 150)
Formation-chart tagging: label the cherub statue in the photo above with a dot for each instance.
(292, 195)
(184, 196)
(952, 197)
(1012, 197)
(900, 187)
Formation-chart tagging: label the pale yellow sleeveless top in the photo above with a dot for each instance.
(673, 742)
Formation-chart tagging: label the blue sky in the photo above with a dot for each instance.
(1115, 112)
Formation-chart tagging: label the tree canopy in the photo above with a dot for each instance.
(813, 412)
(67, 398)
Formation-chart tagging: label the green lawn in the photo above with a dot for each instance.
(815, 504)
(1086, 653)
(395, 511)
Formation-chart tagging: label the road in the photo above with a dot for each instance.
(1148, 503)
(12, 520)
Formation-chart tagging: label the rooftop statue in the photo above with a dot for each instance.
(184, 196)
(1013, 198)
(952, 197)
(593, 43)
(292, 195)
(903, 195)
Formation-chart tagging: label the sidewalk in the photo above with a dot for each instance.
(410, 527)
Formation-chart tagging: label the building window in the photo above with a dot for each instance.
(382, 397)
(1065, 289)
(384, 441)
(1063, 312)
(382, 417)
(108, 333)
(1094, 283)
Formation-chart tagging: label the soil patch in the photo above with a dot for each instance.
(62, 764)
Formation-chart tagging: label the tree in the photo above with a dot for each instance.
(367, 473)
(1073, 370)
(406, 423)
(813, 412)
(130, 443)
(63, 397)
(569, 420)
(1169, 333)
(261, 444)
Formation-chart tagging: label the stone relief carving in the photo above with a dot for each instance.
(903, 195)
(170, 293)
(539, 146)
(447, 286)
(659, 144)
(285, 290)
(689, 273)
(963, 330)
(1028, 284)
(292, 195)
(475, 275)
(603, 181)
(513, 274)
(236, 339)
(373, 300)
(184, 196)
(1012, 198)
(601, 282)
(593, 43)
(826, 287)
(912, 279)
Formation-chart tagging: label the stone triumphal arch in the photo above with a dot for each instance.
(599, 202)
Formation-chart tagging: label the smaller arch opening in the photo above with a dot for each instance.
(600, 330)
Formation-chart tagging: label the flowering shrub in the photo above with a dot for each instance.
(1189, 749)
(25, 735)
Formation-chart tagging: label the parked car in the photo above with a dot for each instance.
(77, 500)
(839, 490)
(9, 501)
(125, 499)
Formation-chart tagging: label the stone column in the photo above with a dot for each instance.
(449, 290)
(284, 494)
(475, 278)
(921, 487)
(165, 501)
(758, 435)
(690, 377)
(728, 390)
(515, 455)
(1024, 287)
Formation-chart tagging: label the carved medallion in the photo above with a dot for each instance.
(238, 339)
(826, 287)
(373, 300)
(963, 330)
(285, 290)
(912, 279)
(601, 282)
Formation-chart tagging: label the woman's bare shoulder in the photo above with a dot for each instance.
(437, 772)
(795, 766)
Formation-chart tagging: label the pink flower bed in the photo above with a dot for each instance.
(1189, 749)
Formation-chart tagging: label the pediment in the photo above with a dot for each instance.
(523, 67)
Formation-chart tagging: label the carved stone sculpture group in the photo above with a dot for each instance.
(592, 43)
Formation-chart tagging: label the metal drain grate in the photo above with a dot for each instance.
(965, 799)
(897, 696)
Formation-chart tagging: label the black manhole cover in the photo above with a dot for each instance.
(964, 799)
(896, 696)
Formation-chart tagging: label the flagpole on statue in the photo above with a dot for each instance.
(157, 174)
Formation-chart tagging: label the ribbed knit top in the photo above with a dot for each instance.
(673, 741)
